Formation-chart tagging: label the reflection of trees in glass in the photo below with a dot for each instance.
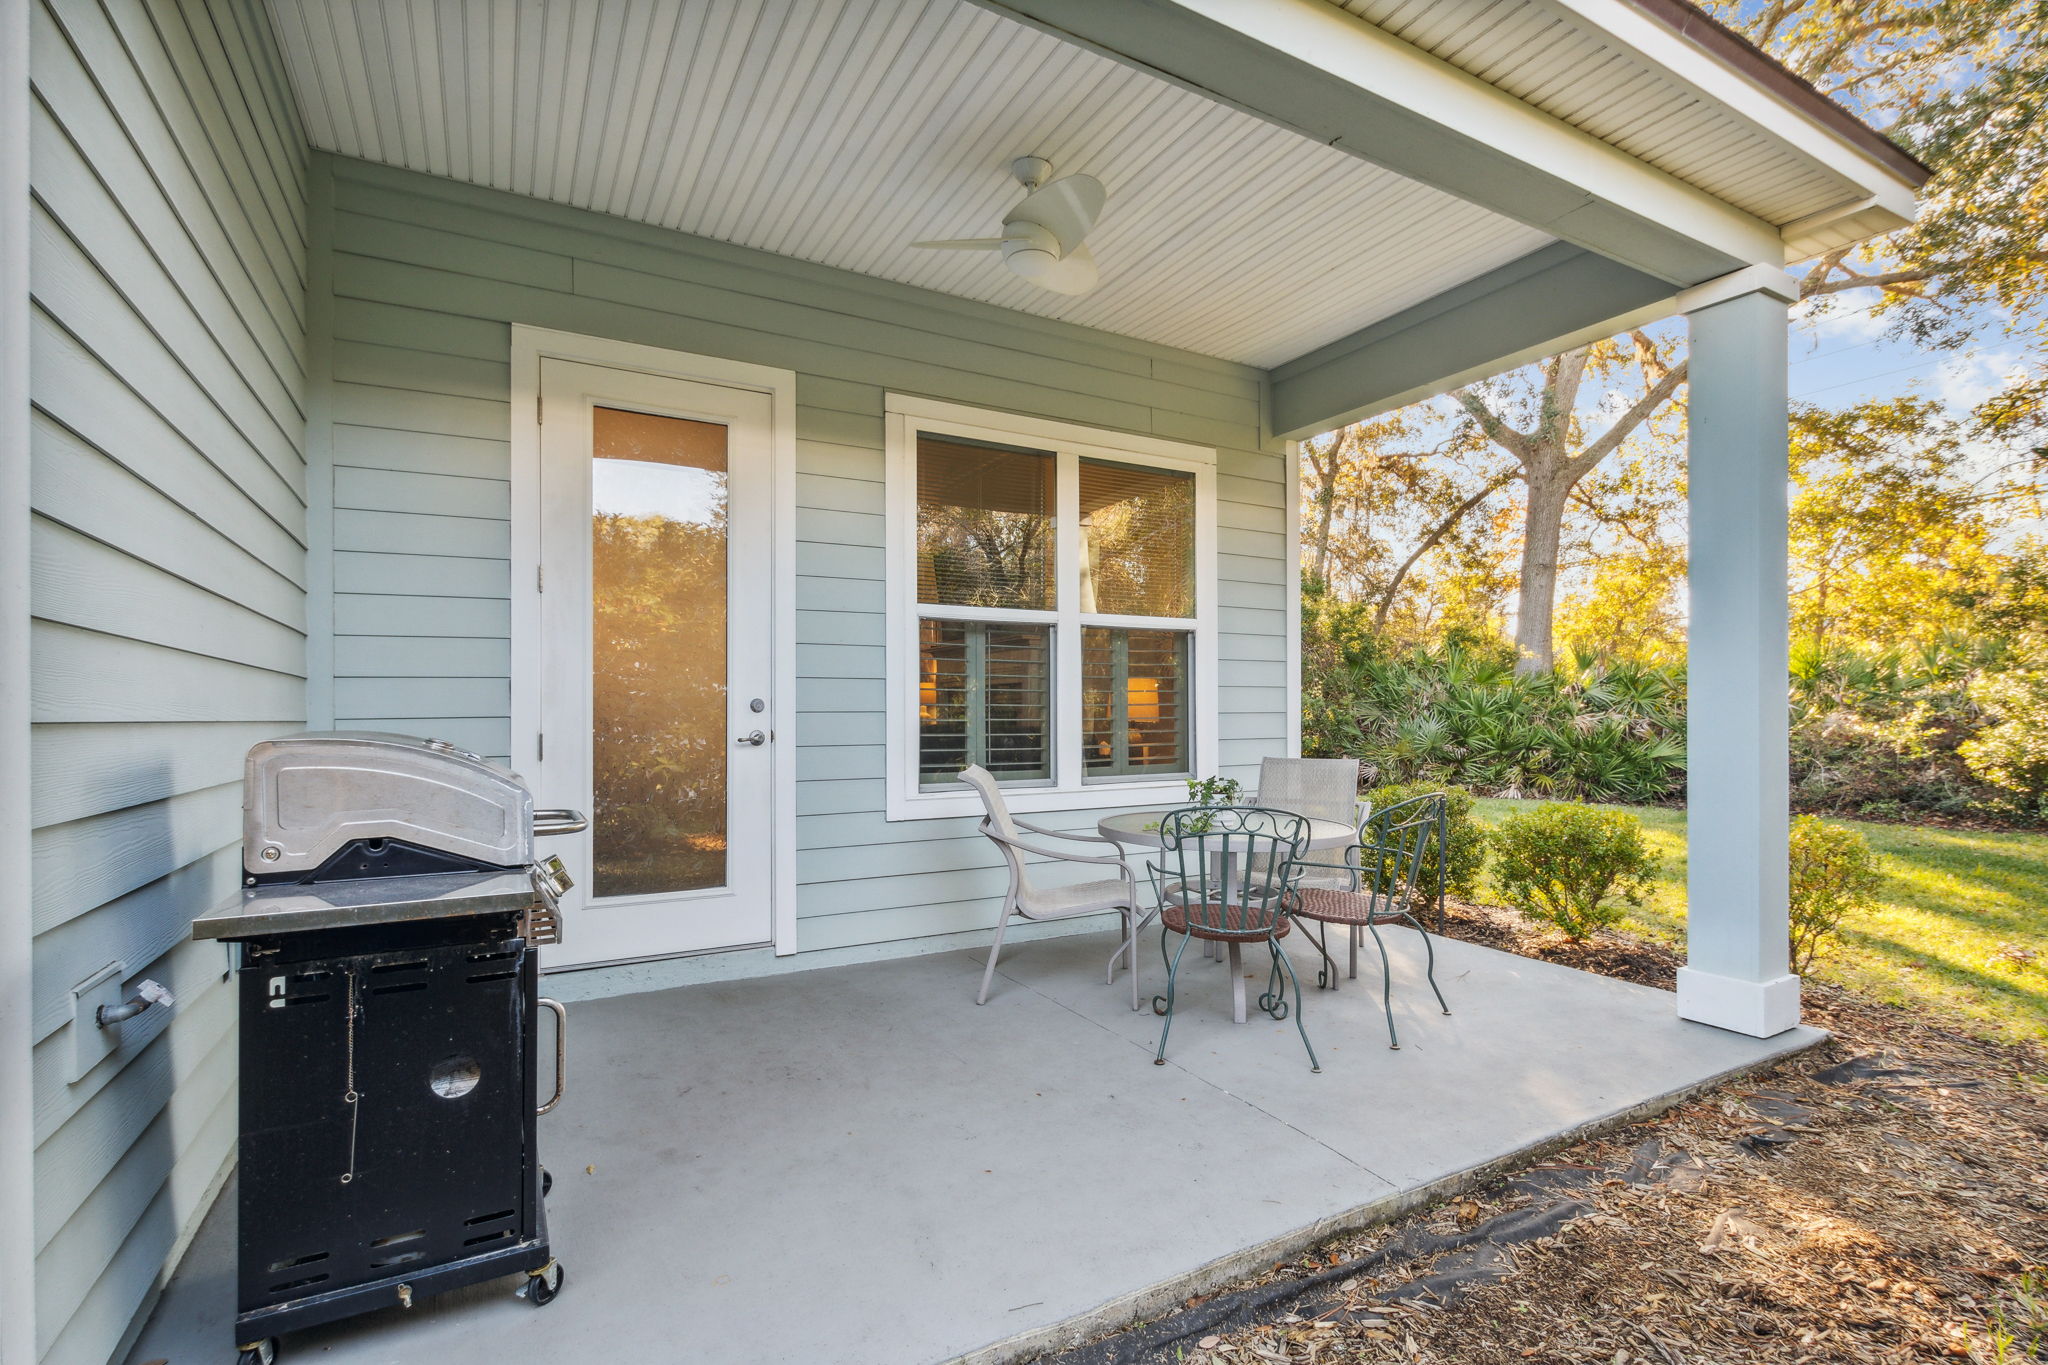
(1138, 528)
(658, 700)
(984, 525)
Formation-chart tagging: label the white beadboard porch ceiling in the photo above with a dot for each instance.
(839, 131)
(1550, 59)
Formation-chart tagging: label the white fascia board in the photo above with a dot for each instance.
(1319, 34)
(1880, 187)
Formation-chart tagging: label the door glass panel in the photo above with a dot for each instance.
(658, 647)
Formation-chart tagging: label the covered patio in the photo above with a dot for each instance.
(321, 323)
(856, 1164)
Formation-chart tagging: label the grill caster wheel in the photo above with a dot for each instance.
(544, 1284)
(262, 1352)
(547, 1182)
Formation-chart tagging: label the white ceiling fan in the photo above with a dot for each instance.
(1041, 239)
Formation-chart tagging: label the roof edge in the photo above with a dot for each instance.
(1724, 44)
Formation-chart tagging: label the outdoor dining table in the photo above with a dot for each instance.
(1140, 830)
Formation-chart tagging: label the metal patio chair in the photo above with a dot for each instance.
(1028, 900)
(1222, 876)
(1321, 789)
(1387, 867)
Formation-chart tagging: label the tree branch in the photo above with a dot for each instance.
(1443, 528)
(1516, 443)
(1639, 412)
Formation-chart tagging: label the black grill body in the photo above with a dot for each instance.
(389, 921)
(428, 1179)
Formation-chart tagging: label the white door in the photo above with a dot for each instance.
(655, 637)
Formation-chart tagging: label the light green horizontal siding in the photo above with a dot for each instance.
(168, 535)
(425, 278)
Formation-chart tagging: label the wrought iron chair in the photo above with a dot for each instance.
(1437, 806)
(1386, 867)
(1028, 900)
(1222, 876)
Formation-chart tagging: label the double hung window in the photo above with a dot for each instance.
(1051, 619)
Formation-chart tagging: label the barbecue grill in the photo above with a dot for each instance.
(388, 919)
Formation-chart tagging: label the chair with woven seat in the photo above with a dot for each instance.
(1221, 877)
(1386, 868)
(1026, 899)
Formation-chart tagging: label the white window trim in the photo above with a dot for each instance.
(1069, 790)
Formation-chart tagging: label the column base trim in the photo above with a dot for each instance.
(1761, 1009)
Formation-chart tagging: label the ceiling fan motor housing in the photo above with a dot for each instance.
(1029, 249)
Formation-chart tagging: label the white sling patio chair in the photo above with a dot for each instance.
(1321, 789)
(1029, 900)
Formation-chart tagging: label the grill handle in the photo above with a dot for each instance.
(561, 1051)
(559, 822)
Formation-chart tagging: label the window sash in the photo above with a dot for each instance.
(1122, 718)
(1072, 785)
(996, 680)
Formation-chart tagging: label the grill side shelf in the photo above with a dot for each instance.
(264, 911)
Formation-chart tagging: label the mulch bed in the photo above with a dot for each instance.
(1883, 1198)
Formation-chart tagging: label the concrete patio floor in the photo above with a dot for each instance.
(856, 1164)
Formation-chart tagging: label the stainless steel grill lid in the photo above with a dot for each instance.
(307, 797)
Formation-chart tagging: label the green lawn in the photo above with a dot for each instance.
(1951, 900)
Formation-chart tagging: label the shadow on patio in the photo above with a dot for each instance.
(857, 1164)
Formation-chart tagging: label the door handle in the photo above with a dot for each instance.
(753, 737)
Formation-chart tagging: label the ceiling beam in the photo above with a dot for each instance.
(1310, 66)
(1548, 301)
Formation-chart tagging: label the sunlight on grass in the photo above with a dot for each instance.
(1956, 917)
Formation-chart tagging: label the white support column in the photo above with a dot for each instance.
(17, 1106)
(1737, 974)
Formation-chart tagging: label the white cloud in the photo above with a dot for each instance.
(1961, 382)
(1833, 323)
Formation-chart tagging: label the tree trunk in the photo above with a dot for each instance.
(1542, 531)
(1326, 509)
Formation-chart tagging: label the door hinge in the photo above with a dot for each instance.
(539, 579)
(537, 418)
(540, 746)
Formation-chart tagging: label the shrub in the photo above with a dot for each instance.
(1465, 836)
(2012, 751)
(1834, 873)
(1571, 866)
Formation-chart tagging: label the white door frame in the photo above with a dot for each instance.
(530, 345)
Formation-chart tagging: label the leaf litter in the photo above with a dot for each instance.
(1882, 1198)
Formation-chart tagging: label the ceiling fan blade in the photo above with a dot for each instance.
(1074, 273)
(964, 244)
(1067, 208)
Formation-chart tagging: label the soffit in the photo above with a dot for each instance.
(839, 131)
(1572, 71)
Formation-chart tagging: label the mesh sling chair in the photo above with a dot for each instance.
(1386, 871)
(1222, 876)
(1321, 789)
(1028, 900)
